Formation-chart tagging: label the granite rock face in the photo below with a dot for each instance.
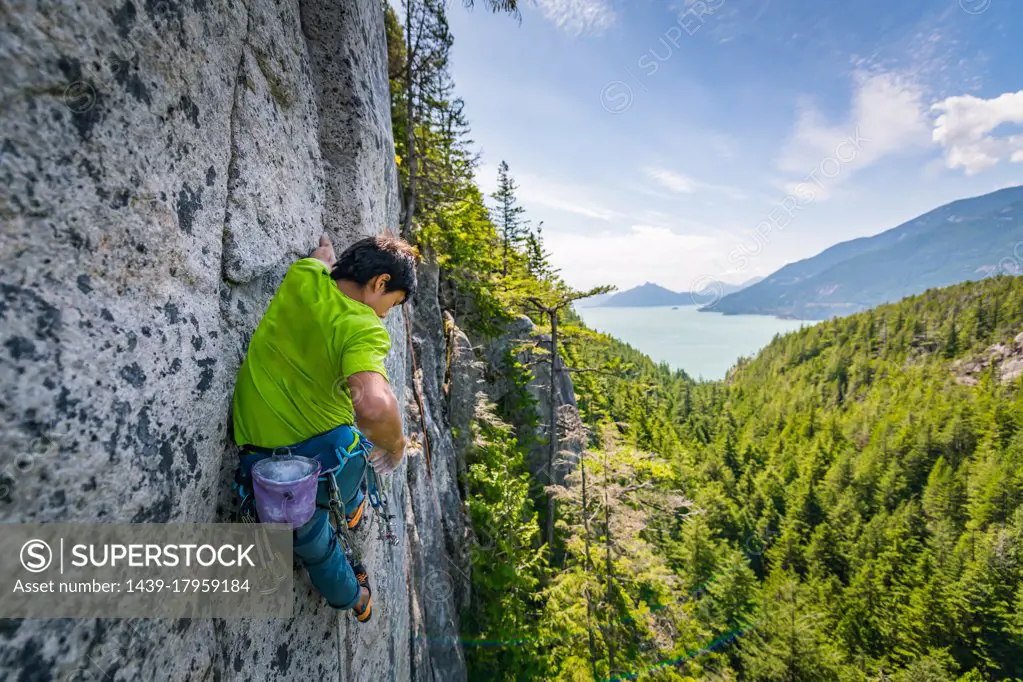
(161, 165)
(520, 343)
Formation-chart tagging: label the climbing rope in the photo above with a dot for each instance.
(418, 395)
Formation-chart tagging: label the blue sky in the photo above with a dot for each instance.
(683, 141)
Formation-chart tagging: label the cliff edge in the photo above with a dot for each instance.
(162, 164)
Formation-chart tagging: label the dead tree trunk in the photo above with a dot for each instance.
(609, 578)
(590, 616)
(552, 430)
(410, 132)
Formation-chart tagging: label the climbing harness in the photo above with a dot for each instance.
(369, 483)
(247, 502)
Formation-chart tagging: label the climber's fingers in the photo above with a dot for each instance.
(383, 462)
(325, 251)
(378, 461)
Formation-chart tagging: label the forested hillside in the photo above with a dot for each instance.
(846, 506)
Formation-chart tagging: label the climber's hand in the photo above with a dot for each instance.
(383, 461)
(325, 251)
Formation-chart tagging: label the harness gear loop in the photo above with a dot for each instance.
(378, 499)
(372, 491)
(337, 515)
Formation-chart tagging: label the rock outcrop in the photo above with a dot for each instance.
(161, 165)
(1006, 358)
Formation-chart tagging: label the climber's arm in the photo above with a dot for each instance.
(376, 413)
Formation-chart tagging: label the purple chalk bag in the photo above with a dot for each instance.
(285, 489)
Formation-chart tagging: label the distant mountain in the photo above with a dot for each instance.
(650, 294)
(964, 240)
(647, 295)
(719, 289)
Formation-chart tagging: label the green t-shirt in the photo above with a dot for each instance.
(312, 337)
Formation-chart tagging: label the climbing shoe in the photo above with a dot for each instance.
(355, 519)
(362, 577)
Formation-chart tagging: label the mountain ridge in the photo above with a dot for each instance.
(650, 294)
(965, 239)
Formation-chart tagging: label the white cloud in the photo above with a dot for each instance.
(627, 258)
(887, 116)
(964, 130)
(675, 182)
(578, 17)
(683, 184)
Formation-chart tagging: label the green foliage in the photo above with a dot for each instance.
(614, 600)
(848, 505)
(505, 563)
(883, 477)
(537, 256)
(462, 241)
(790, 640)
(856, 507)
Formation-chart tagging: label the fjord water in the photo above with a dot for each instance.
(705, 345)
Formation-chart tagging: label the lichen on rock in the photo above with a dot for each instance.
(162, 165)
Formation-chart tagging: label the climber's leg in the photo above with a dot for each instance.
(325, 560)
(349, 484)
(315, 543)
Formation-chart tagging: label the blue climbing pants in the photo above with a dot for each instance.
(342, 453)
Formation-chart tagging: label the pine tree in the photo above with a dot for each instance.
(511, 224)
(789, 642)
(509, 6)
(420, 85)
(951, 346)
(537, 257)
(614, 573)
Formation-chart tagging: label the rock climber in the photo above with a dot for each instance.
(314, 370)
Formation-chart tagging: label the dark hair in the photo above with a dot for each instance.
(380, 255)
